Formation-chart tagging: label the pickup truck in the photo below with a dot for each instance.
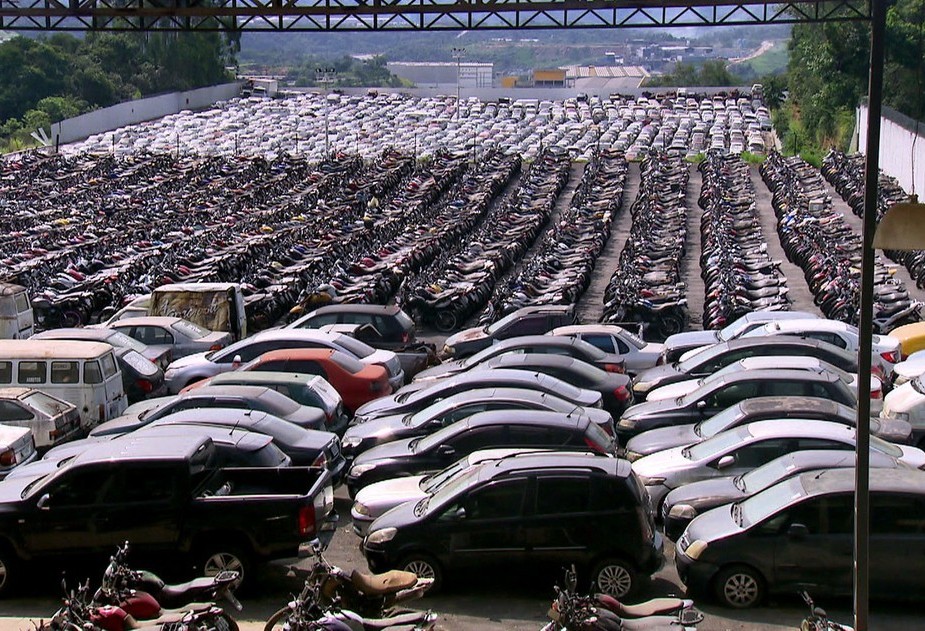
(162, 494)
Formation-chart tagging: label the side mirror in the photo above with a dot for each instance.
(236, 359)
(42, 504)
(701, 405)
(446, 450)
(798, 532)
(726, 461)
(460, 513)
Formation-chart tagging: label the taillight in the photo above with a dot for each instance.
(216, 347)
(144, 385)
(306, 521)
(594, 446)
(618, 368)
(405, 337)
(890, 356)
(876, 394)
(321, 461)
(8, 458)
(622, 394)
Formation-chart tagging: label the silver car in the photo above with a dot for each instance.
(180, 336)
(610, 338)
(200, 366)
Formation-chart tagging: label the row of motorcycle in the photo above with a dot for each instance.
(817, 238)
(846, 173)
(560, 269)
(739, 276)
(646, 287)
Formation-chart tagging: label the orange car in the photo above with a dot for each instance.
(357, 383)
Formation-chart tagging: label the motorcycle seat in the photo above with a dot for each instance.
(382, 584)
(413, 619)
(172, 592)
(171, 616)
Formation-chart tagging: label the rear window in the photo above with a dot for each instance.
(109, 364)
(42, 402)
(355, 346)
(598, 436)
(120, 339)
(405, 320)
(268, 456)
(190, 329)
(139, 364)
(32, 372)
(346, 362)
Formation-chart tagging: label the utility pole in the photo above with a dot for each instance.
(325, 76)
(458, 54)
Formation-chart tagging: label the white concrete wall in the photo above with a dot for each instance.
(140, 110)
(902, 150)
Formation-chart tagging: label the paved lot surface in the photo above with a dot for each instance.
(508, 600)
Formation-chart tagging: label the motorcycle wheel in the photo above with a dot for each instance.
(445, 321)
(278, 620)
(71, 318)
(671, 325)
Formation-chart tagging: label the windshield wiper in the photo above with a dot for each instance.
(737, 513)
(686, 452)
(421, 506)
(406, 421)
(739, 482)
(697, 430)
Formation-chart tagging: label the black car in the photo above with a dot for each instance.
(417, 396)
(718, 356)
(684, 503)
(363, 436)
(616, 394)
(797, 535)
(380, 326)
(536, 510)
(506, 428)
(762, 409)
(723, 392)
(141, 378)
(534, 320)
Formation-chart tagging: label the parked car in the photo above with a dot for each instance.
(51, 420)
(676, 345)
(810, 364)
(382, 326)
(363, 436)
(547, 430)
(374, 500)
(535, 320)
(796, 409)
(884, 349)
(237, 397)
(747, 447)
(310, 390)
(306, 447)
(683, 504)
(805, 525)
(203, 365)
(141, 378)
(535, 344)
(116, 339)
(717, 395)
(17, 448)
(911, 367)
(415, 397)
(636, 353)
(716, 357)
(355, 382)
(493, 515)
(911, 338)
(181, 337)
(907, 403)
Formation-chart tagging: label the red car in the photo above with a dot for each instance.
(357, 383)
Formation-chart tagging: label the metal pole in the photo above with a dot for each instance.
(458, 55)
(866, 325)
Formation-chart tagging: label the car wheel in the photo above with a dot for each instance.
(7, 568)
(739, 587)
(425, 566)
(614, 577)
(217, 558)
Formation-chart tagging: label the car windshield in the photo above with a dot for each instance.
(427, 443)
(762, 505)
(117, 338)
(698, 358)
(190, 329)
(735, 329)
(278, 404)
(453, 487)
(432, 411)
(46, 404)
(719, 422)
(355, 346)
(433, 482)
(885, 447)
(491, 329)
(717, 445)
(486, 353)
(766, 475)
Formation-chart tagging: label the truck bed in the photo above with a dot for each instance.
(238, 482)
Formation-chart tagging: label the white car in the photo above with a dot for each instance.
(885, 350)
(907, 370)
(787, 362)
(635, 351)
(907, 403)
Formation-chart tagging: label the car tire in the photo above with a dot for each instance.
(615, 577)
(216, 557)
(8, 568)
(425, 566)
(739, 587)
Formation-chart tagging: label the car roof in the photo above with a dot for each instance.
(539, 461)
(297, 353)
(53, 349)
(781, 361)
(900, 480)
(805, 324)
(131, 447)
(766, 340)
(776, 316)
(808, 428)
(263, 376)
(241, 438)
(777, 374)
(75, 334)
(522, 417)
(228, 390)
(293, 334)
(145, 321)
(355, 308)
(539, 340)
(543, 309)
(226, 415)
(826, 458)
(790, 404)
(533, 359)
(501, 392)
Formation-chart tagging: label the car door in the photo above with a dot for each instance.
(819, 557)
(897, 540)
(560, 526)
(753, 455)
(487, 525)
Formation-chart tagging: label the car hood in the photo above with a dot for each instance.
(650, 408)
(673, 390)
(397, 517)
(196, 359)
(378, 427)
(692, 338)
(912, 456)
(381, 496)
(903, 400)
(911, 368)
(119, 425)
(466, 335)
(891, 429)
(382, 404)
(12, 488)
(386, 451)
(713, 525)
(442, 370)
(35, 469)
(705, 494)
(661, 462)
(662, 438)
(654, 375)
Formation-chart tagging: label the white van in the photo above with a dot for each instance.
(84, 373)
(16, 319)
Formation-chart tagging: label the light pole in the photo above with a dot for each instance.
(325, 76)
(458, 54)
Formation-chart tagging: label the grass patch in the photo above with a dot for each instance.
(774, 61)
(753, 158)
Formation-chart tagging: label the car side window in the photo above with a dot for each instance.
(783, 388)
(249, 352)
(525, 436)
(732, 393)
(32, 372)
(307, 367)
(152, 335)
(897, 514)
(838, 515)
(474, 439)
(818, 443)
(501, 500)
(762, 452)
(65, 372)
(190, 404)
(559, 496)
(141, 485)
(12, 411)
(821, 390)
(527, 326)
(323, 320)
(81, 488)
(603, 342)
(92, 372)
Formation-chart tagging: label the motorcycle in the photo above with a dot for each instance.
(817, 620)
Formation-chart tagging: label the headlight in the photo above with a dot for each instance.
(682, 511)
(632, 456)
(360, 509)
(696, 549)
(381, 536)
(360, 469)
(653, 481)
(627, 423)
(349, 442)
(643, 386)
(170, 373)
